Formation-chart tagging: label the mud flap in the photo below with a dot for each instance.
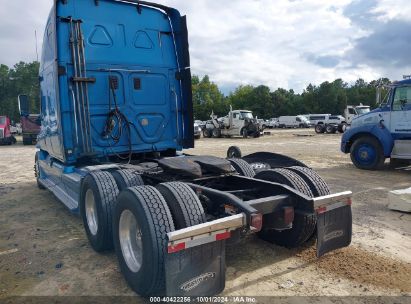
(334, 229)
(197, 271)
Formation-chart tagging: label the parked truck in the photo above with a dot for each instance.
(30, 123)
(236, 123)
(118, 114)
(299, 121)
(382, 133)
(6, 137)
(352, 112)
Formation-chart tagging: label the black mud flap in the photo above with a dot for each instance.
(197, 271)
(334, 229)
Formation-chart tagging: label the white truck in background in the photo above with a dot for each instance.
(299, 121)
(327, 123)
(352, 112)
(236, 123)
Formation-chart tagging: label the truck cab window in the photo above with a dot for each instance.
(402, 99)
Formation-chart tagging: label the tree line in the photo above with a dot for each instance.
(20, 79)
(328, 97)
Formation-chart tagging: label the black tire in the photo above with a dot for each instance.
(207, 133)
(154, 218)
(242, 167)
(370, 143)
(127, 178)
(319, 129)
(104, 191)
(316, 183)
(37, 171)
(234, 152)
(244, 132)
(342, 127)
(184, 204)
(216, 133)
(329, 129)
(303, 225)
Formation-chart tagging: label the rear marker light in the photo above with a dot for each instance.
(256, 222)
(288, 215)
(223, 236)
(321, 210)
(176, 248)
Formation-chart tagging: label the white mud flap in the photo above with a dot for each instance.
(334, 228)
(196, 271)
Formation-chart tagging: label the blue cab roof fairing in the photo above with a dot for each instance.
(145, 49)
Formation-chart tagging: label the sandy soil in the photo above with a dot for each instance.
(44, 251)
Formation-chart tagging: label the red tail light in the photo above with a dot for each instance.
(256, 222)
(288, 215)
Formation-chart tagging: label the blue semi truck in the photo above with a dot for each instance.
(384, 132)
(116, 111)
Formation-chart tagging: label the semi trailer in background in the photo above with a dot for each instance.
(116, 114)
(30, 123)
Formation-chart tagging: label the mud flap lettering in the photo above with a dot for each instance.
(196, 271)
(334, 229)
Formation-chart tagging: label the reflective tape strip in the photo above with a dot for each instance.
(323, 209)
(197, 241)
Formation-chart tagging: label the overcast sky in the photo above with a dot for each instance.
(281, 43)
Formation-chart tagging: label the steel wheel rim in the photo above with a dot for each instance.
(131, 242)
(91, 212)
(366, 154)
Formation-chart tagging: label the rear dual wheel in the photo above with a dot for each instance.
(141, 221)
(126, 178)
(98, 195)
(142, 218)
(307, 182)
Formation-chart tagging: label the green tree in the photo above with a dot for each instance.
(21, 79)
(207, 98)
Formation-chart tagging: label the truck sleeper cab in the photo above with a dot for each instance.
(116, 112)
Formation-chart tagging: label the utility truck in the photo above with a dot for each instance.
(30, 123)
(6, 137)
(384, 132)
(117, 113)
(236, 123)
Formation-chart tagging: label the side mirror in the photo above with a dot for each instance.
(24, 105)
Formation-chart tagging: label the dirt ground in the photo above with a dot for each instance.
(44, 250)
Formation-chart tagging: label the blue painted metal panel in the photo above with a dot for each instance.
(381, 133)
(146, 51)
